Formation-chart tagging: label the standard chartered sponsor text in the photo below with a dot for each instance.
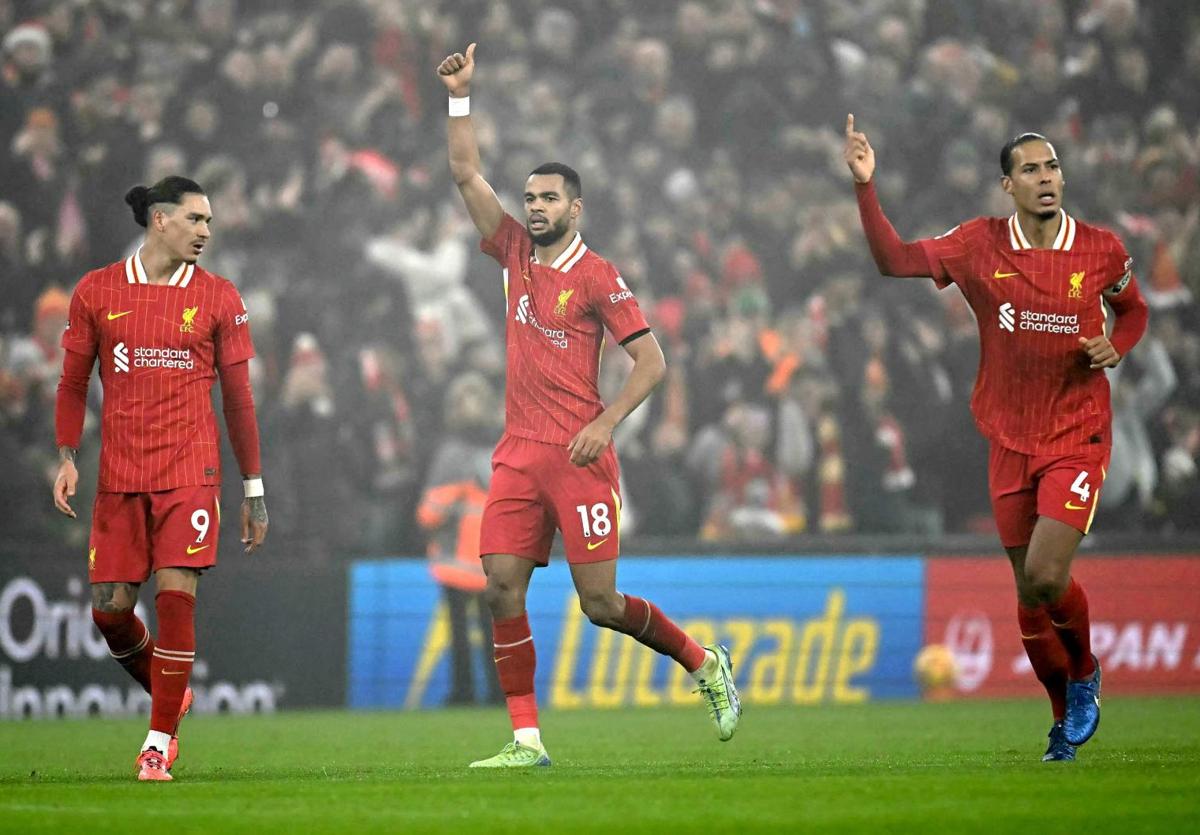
(163, 358)
(1033, 320)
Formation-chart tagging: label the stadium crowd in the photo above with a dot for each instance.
(805, 393)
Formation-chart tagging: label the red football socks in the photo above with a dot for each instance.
(1046, 654)
(129, 642)
(646, 623)
(1069, 615)
(515, 664)
(172, 657)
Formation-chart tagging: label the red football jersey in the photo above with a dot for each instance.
(1035, 393)
(557, 314)
(159, 348)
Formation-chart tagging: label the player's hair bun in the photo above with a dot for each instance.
(138, 199)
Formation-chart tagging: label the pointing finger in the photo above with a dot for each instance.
(849, 125)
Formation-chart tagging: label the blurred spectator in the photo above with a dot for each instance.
(1141, 386)
(450, 511)
(319, 507)
(1181, 471)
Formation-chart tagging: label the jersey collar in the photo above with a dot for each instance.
(569, 256)
(1063, 241)
(135, 272)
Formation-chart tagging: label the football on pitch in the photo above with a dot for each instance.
(935, 669)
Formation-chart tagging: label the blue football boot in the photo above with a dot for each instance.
(1083, 707)
(1059, 750)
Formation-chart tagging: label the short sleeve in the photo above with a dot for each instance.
(1120, 273)
(946, 253)
(232, 337)
(616, 306)
(507, 241)
(81, 335)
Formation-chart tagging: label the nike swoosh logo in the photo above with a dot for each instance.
(173, 672)
(112, 316)
(501, 658)
(1070, 506)
(191, 549)
(592, 546)
(998, 274)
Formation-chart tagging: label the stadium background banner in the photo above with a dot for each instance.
(257, 648)
(1145, 613)
(801, 631)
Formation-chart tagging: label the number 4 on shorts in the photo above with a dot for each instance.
(1081, 488)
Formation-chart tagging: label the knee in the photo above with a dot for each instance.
(1044, 585)
(603, 609)
(502, 593)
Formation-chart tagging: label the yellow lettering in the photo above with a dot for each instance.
(437, 641)
(859, 644)
(561, 693)
(816, 650)
(741, 636)
(681, 685)
(606, 691)
(768, 675)
(644, 694)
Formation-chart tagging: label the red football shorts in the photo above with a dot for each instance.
(535, 489)
(135, 534)
(1024, 487)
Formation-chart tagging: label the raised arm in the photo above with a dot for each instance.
(482, 204)
(892, 255)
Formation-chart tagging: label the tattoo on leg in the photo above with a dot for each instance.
(113, 597)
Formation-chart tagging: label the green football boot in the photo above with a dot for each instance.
(515, 755)
(721, 696)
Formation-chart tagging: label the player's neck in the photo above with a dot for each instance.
(547, 255)
(158, 263)
(1040, 232)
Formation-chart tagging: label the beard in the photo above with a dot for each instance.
(552, 233)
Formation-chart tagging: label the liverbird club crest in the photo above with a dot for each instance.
(189, 314)
(560, 309)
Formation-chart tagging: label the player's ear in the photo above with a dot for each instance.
(1006, 183)
(576, 207)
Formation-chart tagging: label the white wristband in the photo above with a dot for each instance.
(253, 487)
(460, 106)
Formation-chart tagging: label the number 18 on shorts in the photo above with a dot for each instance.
(535, 490)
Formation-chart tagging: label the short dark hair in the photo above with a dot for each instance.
(570, 176)
(166, 190)
(1006, 162)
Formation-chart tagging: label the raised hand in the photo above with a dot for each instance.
(859, 154)
(456, 70)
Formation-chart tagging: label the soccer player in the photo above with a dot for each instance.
(162, 328)
(554, 467)
(1037, 282)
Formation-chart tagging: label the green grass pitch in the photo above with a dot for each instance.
(884, 767)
